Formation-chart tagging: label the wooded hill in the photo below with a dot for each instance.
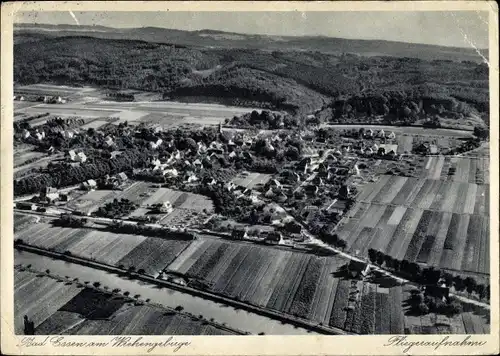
(295, 81)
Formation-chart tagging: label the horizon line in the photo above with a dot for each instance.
(246, 34)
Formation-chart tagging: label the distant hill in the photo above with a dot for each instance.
(220, 39)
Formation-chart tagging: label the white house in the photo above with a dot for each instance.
(155, 144)
(90, 184)
(26, 133)
(109, 141)
(81, 157)
(166, 207)
(192, 178)
(197, 164)
(67, 134)
(171, 173)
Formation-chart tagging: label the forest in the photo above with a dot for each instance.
(294, 81)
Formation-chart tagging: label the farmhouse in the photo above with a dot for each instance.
(26, 133)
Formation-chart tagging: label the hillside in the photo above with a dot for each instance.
(219, 39)
(295, 81)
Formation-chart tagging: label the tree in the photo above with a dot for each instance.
(448, 279)
(423, 308)
(470, 284)
(481, 291)
(388, 261)
(481, 132)
(372, 255)
(380, 258)
(458, 283)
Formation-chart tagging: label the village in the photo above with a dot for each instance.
(300, 186)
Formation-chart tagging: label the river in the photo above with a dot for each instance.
(236, 318)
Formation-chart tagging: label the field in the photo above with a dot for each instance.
(467, 170)
(251, 180)
(24, 156)
(440, 219)
(149, 253)
(299, 284)
(48, 89)
(63, 308)
(164, 113)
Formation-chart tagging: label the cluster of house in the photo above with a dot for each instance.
(115, 181)
(52, 99)
(40, 134)
(48, 195)
(370, 134)
(79, 157)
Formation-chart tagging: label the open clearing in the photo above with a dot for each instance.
(303, 285)
(62, 308)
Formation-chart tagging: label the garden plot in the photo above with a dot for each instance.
(92, 200)
(251, 179)
(405, 144)
(179, 200)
